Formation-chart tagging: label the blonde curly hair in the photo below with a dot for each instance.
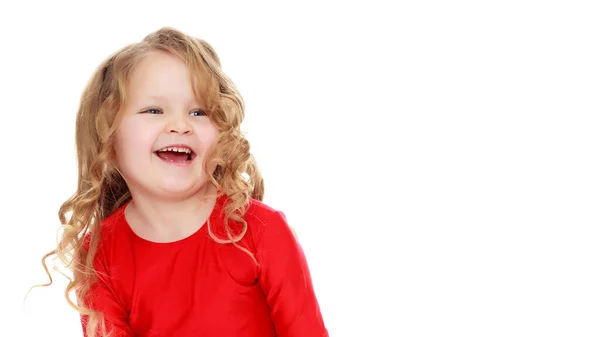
(101, 190)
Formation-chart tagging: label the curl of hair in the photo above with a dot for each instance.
(101, 190)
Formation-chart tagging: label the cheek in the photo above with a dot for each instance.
(133, 139)
(207, 135)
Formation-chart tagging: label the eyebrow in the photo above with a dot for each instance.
(162, 99)
(158, 97)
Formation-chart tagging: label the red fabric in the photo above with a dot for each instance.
(197, 287)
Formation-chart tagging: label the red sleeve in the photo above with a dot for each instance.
(286, 282)
(102, 297)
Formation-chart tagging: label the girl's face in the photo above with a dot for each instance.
(164, 135)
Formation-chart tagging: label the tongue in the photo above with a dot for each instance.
(173, 156)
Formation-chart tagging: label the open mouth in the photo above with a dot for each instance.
(176, 154)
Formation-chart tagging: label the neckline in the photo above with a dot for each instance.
(211, 218)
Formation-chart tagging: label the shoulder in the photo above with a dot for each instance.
(111, 226)
(260, 216)
(275, 241)
(261, 221)
(267, 224)
(257, 208)
(108, 229)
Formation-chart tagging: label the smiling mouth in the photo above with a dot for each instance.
(176, 154)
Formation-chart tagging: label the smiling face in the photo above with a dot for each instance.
(164, 134)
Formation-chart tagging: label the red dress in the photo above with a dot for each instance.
(198, 287)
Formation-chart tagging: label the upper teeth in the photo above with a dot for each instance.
(176, 149)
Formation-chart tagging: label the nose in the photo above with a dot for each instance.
(178, 125)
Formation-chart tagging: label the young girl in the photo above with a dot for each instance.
(166, 234)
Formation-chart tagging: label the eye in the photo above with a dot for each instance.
(152, 111)
(199, 112)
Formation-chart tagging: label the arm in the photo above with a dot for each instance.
(286, 282)
(102, 297)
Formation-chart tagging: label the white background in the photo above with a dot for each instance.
(439, 160)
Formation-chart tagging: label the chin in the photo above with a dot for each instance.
(174, 188)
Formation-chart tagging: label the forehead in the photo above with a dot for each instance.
(160, 75)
